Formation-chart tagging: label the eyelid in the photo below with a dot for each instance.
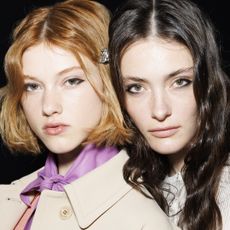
(186, 81)
(28, 86)
(185, 76)
(73, 76)
(75, 80)
(128, 88)
(31, 81)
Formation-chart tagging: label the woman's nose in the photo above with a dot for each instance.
(51, 103)
(160, 106)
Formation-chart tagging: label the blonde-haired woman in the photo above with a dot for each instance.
(59, 97)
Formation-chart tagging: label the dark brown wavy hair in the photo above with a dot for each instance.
(181, 21)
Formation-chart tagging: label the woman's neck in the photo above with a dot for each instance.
(65, 160)
(177, 162)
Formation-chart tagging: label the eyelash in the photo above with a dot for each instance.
(185, 82)
(73, 81)
(130, 87)
(29, 87)
(179, 83)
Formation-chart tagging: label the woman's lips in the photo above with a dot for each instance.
(54, 129)
(164, 132)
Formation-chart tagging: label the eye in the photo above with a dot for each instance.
(181, 82)
(73, 81)
(134, 88)
(31, 87)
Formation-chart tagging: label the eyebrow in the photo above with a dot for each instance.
(179, 71)
(67, 70)
(62, 72)
(133, 78)
(141, 80)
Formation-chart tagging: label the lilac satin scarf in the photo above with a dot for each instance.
(48, 178)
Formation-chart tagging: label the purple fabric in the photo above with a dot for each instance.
(48, 178)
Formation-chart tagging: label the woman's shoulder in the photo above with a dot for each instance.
(223, 196)
(145, 211)
(224, 185)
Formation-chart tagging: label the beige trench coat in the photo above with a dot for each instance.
(100, 200)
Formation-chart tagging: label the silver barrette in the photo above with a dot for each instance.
(104, 56)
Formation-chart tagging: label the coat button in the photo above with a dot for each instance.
(65, 213)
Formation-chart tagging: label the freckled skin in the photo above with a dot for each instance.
(57, 91)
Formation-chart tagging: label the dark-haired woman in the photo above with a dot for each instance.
(167, 73)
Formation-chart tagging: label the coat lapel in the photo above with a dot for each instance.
(90, 196)
(99, 190)
(11, 206)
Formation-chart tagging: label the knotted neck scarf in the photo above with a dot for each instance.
(48, 178)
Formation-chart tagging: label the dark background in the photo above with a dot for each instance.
(13, 166)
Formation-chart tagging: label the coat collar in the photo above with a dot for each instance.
(97, 191)
(90, 196)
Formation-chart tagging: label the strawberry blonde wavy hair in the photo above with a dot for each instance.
(80, 27)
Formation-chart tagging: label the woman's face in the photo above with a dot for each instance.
(158, 79)
(59, 103)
